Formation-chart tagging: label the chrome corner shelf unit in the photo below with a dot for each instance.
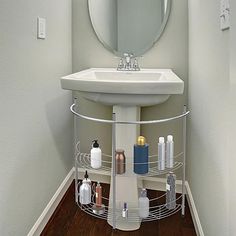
(158, 209)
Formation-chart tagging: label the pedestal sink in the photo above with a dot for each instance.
(125, 88)
(126, 91)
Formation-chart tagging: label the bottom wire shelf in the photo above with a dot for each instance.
(155, 213)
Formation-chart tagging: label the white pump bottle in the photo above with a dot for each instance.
(96, 155)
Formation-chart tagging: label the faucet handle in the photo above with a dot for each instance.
(121, 64)
(136, 65)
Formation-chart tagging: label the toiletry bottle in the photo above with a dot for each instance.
(96, 155)
(141, 156)
(85, 191)
(98, 195)
(169, 152)
(170, 191)
(143, 203)
(125, 211)
(120, 161)
(161, 154)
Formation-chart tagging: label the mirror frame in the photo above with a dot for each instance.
(144, 50)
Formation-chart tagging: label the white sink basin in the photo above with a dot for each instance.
(126, 88)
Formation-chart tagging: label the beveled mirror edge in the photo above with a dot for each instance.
(98, 35)
(143, 51)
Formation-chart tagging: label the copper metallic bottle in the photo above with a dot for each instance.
(120, 161)
(98, 195)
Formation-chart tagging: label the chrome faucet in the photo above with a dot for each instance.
(127, 58)
(128, 63)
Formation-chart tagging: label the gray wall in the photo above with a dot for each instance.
(232, 41)
(171, 51)
(35, 124)
(212, 100)
(232, 119)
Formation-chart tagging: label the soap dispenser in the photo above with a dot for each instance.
(85, 191)
(96, 155)
(141, 156)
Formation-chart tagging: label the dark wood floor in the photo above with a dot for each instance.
(69, 220)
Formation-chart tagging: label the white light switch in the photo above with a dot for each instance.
(224, 14)
(41, 28)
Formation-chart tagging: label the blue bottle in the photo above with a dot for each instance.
(141, 156)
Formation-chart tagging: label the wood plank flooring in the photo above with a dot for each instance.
(69, 220)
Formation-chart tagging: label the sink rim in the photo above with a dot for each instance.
(89, 83)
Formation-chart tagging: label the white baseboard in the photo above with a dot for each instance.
(193, 210)
(148, 182)
(52, 205)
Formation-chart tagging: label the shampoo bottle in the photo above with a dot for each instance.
(170, 191)
(143, 203)
(141, 156)
(169, 152)
(96, 155)
(85, 191)
(161, 154)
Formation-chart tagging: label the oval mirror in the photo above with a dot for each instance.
(129, 26)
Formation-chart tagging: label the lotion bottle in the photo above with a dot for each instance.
(85, 191)
(96, 155)
(161, 153)
(169, 152)
(141, 156)
(143, 203)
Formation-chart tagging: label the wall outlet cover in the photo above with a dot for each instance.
(41, 25)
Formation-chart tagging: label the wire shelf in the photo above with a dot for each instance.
(157, 212)
(84, 160)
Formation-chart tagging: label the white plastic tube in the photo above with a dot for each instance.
(169, 152)
(161, 153)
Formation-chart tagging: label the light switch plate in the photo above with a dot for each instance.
(41, 23)
(224, 15)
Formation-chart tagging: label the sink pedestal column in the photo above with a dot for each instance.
(126, 184)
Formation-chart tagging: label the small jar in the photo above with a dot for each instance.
(120, 161)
